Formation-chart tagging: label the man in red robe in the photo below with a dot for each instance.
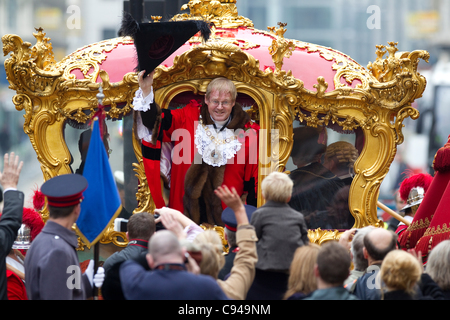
(212, 144)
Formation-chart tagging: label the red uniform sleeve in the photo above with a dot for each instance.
(15, 287)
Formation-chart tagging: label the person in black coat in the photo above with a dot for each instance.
(141, 226)
(314, 185)
(11, 219)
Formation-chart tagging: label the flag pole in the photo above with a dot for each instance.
(96, 263)
(100, 96)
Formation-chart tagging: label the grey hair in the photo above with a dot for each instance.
(360, 263)
(438, 264)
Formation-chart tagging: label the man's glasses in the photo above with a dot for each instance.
(223, 103)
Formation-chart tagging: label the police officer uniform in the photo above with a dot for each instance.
(52, 267)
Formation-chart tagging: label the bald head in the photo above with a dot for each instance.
(164, 247)
(379, 242)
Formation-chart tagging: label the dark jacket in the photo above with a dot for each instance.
(314, 189)
(132, 251)
(229, 260)
(368, 286)
(268, 285)
(427, 289)
(10, 223)
(335, 293)
(397, 295)
(446, 294)
(112, 287)
(280, 230)
(52, 266)
(171, 284)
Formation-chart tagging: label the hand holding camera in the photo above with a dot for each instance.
(168, 217)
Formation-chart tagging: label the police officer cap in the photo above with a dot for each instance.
(229, 219)
(65, 190)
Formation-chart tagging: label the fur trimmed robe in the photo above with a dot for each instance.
(193, 184)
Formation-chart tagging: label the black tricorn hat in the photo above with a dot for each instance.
(156, 41)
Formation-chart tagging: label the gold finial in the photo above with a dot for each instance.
(42, 52)
(156, 18)
(278, 31)
(380, 51)
(280, 48)
(223, 13)
(392, 49)
(384, 69)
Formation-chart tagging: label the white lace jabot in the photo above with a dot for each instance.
(216, 147)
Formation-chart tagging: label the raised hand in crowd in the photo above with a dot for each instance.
(9, 178)
(170, 220)
(232, 199)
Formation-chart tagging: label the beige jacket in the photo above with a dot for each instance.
(242, 274)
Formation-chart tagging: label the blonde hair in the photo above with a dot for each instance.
(277, 187)
(400, 270)
(212, 254)
(438, 264)
(301, 273)
(222, 85)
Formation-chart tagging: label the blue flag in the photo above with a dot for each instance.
(101, 203)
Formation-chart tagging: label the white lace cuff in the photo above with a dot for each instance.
(140, 103)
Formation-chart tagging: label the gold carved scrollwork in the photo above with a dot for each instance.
(89, 58)
(320, 236)
(49, 95)
(223, 14)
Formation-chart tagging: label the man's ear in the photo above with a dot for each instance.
(316, 271)
(150, 261)
(77, 210)
(366, 256)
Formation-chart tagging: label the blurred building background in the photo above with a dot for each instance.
(350, 26)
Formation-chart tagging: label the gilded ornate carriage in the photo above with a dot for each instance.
(283, 82)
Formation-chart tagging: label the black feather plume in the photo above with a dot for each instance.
(129, 26)
(204, 28)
